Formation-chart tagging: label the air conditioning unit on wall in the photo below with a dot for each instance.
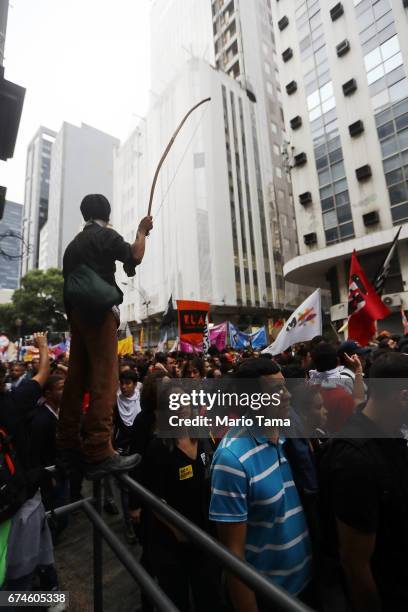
(338, 312)
(392, 300)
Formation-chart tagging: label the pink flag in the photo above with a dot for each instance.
(218, 338)
(218, 335)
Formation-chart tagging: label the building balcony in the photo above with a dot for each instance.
(223, 25)
(224, 46)
(311, 268)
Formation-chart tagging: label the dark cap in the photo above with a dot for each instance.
(95, 206)
(350, 347)
(255, 367)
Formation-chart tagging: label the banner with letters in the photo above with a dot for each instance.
(191, 320)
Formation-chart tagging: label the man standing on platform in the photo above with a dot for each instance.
(91, 300)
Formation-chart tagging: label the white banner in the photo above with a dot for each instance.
(303, 325)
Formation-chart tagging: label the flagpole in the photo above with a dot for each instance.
(387, 260)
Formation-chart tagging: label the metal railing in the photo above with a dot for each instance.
(279, 600)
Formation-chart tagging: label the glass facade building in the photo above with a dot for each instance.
(322, 115)
(10, 245)
(388, 86)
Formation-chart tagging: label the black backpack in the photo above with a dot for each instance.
(86, 290)
(13, 483)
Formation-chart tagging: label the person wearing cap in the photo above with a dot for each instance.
(93, 353)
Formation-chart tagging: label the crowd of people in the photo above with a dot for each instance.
(319, 508)
(323, 516)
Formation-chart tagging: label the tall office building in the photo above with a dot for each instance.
(217, 233)
(81, 163)
(346, 109)
(10, 246)
(245, 50)
(179, 31)
(210, 239)
(37, 185)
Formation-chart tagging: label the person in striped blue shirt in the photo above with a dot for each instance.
(255, 502)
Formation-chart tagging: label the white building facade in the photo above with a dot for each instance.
(179, 31)
(36, 195)
(245, 50)
(223, 213)
(346, 108)
(81, 163)
(212, 236)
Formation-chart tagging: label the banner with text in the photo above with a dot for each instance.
(191, 320)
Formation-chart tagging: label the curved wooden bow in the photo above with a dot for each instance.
(167, 149)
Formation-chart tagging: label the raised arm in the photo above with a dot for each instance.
(138, 247)
(41, 342)
(354, 364)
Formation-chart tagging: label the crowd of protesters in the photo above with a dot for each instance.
(323, 517)
(319, 510)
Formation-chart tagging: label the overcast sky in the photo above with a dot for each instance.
(80, 61)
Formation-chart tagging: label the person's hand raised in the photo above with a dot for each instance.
(353, 363)
(145, 225)
(40, 340)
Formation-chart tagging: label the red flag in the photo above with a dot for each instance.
(191, 317)
(364, 305)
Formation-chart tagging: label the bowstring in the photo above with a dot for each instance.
(182, 159)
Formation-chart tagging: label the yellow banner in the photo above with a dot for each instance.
(125, 347)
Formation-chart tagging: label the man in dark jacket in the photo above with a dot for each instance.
(93, 353)
(364, 488)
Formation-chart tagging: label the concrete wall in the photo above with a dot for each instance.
(82, 163)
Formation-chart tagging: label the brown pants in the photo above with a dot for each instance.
(93, 367)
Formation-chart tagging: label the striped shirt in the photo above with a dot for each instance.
(252, 482)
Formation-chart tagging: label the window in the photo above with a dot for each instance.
(338, 170)
(398, 193)
(385, 130)
(324, 177)
(375, 74)
(394, 177)
(326, 91)
(390, 48)
(403, 139)
(393, 63)
(327, 203)
(313, 100)
(399, 90)
(329, 219)
(372, 59)
(389, 146)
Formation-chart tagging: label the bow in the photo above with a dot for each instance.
(167, 149)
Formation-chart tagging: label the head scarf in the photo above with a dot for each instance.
(129, 407)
